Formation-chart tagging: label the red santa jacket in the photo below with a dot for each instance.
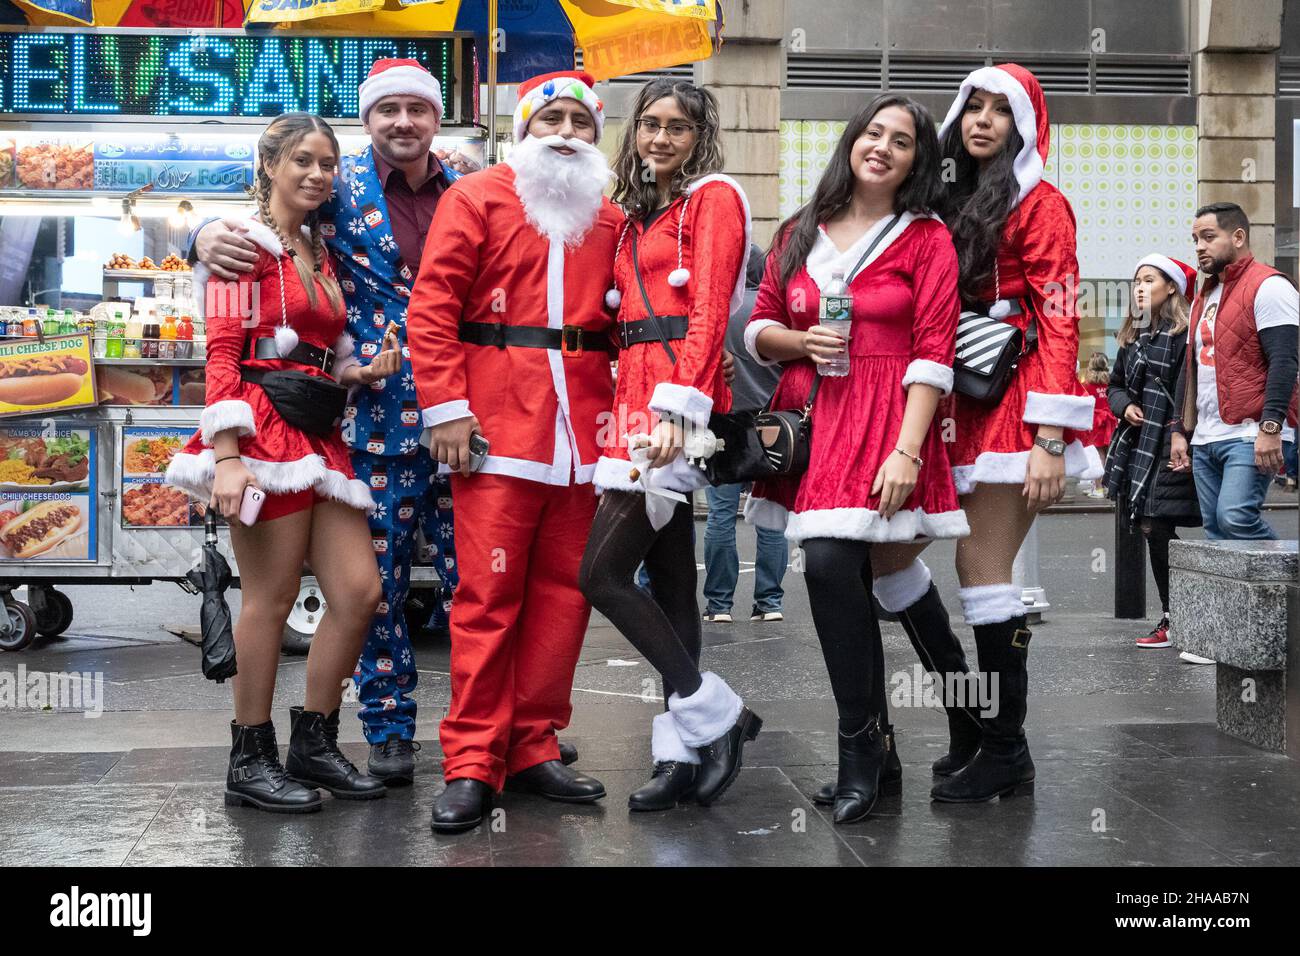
(714, 246)
(483, 262)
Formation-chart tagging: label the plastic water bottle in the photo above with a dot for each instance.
(836, 314)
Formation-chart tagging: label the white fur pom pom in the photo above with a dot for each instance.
(613, 298)
(679, 277)
(1000, 309)
(286, 340)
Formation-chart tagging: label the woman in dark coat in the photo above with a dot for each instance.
(1138, 479)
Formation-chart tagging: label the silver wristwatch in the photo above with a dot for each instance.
(1053, 446)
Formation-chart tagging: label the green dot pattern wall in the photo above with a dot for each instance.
(1133, 188)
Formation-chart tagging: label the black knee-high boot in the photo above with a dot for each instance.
(1002, 766)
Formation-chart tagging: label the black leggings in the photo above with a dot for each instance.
(838, 576)
(1159, 532)
(665, 627)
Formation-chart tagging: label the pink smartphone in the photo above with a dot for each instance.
(251, 506)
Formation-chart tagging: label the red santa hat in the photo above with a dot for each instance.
(1028, 109)
(398, 78)
(1179, 273)
(540, 90)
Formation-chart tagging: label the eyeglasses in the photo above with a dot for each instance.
(649, 127)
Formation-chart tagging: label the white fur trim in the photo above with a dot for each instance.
(445, 412)
(707, 714)
(193, 474)
(900, 590)
(536, 99)
(666, 743)
(991, 603)
(1167, 267)
(262, 234)
(688, 402)
(1009, 468)
(613, 299)
(751, 338)
(611, 474)
(826, 259)
(738, 292)
(399, 81)
(929, 373)
(230, 413)
(1028, 165)
(286, 340)
(867, 524)
(1067, 411)
(765, 513)
(344, 355)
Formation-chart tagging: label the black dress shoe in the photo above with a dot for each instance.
(554, 781)
(720, 760)
(255, 777)
(671, 783)
(462, 806)
(568, 753)
(393, 761)
(315, 759)
(891, 777)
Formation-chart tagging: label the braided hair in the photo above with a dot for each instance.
(278, 140)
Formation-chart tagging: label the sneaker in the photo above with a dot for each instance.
(1195, 658)
(1159, 636)
(766, 616)
(722, 617)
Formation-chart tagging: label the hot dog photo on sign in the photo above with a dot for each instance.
(51, 373)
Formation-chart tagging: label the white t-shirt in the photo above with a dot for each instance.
(1276, 303)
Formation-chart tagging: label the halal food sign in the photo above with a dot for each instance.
(211, 74)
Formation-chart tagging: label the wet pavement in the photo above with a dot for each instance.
(1131, 770)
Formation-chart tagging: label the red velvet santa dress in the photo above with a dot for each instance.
(1036, 266)
(692, 260)
(284, 459)
(905, 310)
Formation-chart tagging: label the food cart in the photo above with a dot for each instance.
(114, 143)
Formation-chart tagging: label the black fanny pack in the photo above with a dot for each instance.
(309, 403)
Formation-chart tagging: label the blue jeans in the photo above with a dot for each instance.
(1231, 489)
(722, 560)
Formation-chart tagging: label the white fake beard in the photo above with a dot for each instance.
(561, 194)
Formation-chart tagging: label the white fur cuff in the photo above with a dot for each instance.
(690, 403)
(751, 339)
(991, 603)
(929, 373)
(666, 743)
(446, 412)
(220, 416)
(707, 714)
(902, 589)
(1067, 411)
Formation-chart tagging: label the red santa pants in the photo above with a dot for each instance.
(517, 623)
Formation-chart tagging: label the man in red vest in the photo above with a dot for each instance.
(1238, 391)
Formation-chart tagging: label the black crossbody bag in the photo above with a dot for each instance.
(988, 350)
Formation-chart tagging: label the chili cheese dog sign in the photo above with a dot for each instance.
(38, 375)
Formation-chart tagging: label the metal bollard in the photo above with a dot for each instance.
(1024, 572)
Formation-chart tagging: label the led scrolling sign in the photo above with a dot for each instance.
(103, 72)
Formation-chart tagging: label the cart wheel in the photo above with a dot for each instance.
(55, 614)
(20, 628)
(308, 609)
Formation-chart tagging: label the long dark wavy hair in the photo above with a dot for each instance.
(918, 193)
(633, 189)
(976, 203)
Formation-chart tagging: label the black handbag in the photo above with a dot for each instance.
(989, 351)
(309, 403)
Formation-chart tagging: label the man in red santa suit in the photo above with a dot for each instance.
(509, 339)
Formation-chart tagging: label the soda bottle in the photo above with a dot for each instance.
(131, 333)
(31, 324)
(184, 338)
(836, 314)
(113, 347)
(167, 338)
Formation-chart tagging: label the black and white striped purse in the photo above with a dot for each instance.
(988, 351)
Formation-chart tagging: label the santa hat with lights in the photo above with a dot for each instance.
(398, 78)
(541, 90)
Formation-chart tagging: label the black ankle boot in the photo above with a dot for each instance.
(1002, 766)
(462, 806)
(720, 760)
(891, 775)
(256, 778)
(862, 758)
(316, 761)
(671, 783)
(927, 627)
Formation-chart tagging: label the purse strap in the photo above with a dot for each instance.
(645, 297)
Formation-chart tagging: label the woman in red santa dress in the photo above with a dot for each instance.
(679, 269)
(1015, 240)
(287, 314)
(878, 471)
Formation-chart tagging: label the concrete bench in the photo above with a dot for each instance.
(1236, 602)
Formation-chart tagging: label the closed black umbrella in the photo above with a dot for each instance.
(212, 577)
